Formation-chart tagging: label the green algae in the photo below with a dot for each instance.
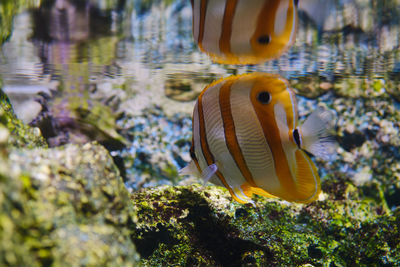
(8, 9)
(21, 135)
(194, 225)
(64, 206)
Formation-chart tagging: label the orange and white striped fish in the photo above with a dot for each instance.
(246, 138)
(244, 31)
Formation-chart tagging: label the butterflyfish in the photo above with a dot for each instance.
(244, 31)
(246, 138)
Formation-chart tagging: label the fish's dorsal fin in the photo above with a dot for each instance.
(316, 133)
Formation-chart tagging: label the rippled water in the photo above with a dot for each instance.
(126, 73)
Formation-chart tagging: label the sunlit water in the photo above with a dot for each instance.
(139, 60)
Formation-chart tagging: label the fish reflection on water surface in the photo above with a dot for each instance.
(242, 31)
(246, 138)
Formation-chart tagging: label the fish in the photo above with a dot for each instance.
(246, 138)
(243, 31)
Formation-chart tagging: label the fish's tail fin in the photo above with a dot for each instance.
(316, 133)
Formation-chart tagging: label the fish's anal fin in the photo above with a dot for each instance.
(316, 133)
(208, 172)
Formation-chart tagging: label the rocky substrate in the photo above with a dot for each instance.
(197, 226)
(63, 206)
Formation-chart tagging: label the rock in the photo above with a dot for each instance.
(73, 119)
(21, 135)
(64, 206)
(310, 86)
(159, 147)
(60, 206)
(180, 88)
(367, 131)
(186, 85)
(393, 83)
(351, 140)
(202, 226)
(359, 87)
(8, 8)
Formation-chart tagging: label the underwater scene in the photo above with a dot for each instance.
(199, 133)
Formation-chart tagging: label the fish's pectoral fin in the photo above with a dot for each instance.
(205, 175)
(189, 169)
(316, 133)
(208, 172)
(308, 185)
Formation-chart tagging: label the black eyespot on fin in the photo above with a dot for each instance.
(264, 39)
(296, 137)
(264, 97)
(296, 2)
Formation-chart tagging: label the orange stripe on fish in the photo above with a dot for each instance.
(267, 119)
(206, 151)
(225, 39)
(230, 134)
(203, 9)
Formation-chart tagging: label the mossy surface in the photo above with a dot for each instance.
(65, 206)
(20, 135)
(201, 226)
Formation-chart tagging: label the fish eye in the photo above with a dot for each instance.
(264, 97)
(297, 137)
(264, 39)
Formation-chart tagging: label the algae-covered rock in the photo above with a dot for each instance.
(21, 135)
(78, 120)
(310, 86)
(201, 226)
(64, 206)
